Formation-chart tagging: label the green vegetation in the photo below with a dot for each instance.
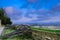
(4, 18)
(16, 37)
(6, 31)
(46, 30)
(25, 36)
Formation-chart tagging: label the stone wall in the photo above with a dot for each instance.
(39, 35)
(0, 22)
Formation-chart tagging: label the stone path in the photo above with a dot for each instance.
(1, 30)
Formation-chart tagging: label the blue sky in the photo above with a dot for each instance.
(32, 11)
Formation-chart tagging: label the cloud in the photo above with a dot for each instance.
(9, 10)
(51, 19)
(25, 19)
(58, 4)
(26, 15)
(44, 10)
(56, 8)
(12, 10)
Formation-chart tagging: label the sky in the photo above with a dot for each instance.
(32, 11)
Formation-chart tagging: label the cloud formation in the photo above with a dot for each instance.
(51, 19)
(9, 10)
(25, 19)
(56, 8)
(26, 15)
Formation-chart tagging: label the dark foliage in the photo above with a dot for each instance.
(5, 19)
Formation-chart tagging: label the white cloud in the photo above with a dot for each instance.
(13, 10)
(52, 19)
(9, 10)
(58, 4)
(34, 14)
(56, 8)
(25, 19)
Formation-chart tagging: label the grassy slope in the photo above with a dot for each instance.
(16, 37)
(6, 31)
(46, 30)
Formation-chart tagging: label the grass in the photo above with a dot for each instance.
(16, 37)
(6, 31)
(46, 30)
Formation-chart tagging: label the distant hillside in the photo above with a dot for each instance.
(46, 24)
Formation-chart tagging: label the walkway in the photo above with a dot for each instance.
(1, 30)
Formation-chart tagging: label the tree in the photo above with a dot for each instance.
(1, 13)
(5, 19)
